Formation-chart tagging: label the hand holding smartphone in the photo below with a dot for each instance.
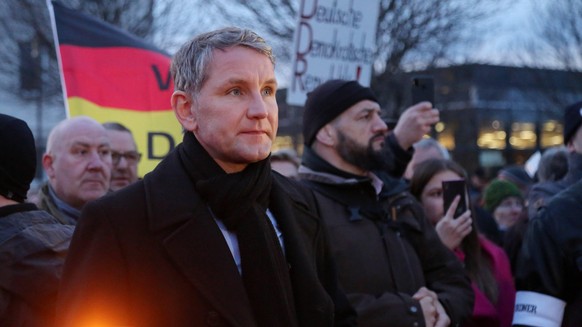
(450, 190)
(422, 89)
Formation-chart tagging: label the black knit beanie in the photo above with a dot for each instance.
(572, 120)
(17, 158)
(329, 100)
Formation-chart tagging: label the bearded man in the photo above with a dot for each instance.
(390, 261)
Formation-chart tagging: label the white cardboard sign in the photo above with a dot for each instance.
(334, 39)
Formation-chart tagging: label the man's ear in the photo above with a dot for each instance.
(182, 104)
(47, 165)
(326, 135)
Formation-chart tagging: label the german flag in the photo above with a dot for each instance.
(111, 75)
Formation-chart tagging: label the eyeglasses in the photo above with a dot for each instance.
(132, 157)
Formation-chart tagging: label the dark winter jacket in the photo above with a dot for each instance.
(33, 245)
(541, 193)
(384, 247)
(549, 272)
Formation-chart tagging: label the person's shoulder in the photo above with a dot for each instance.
(562, 210)
(573, 191)
(297, 191)
(32, 232)
(128, 197)
(396, 190)
(394, 185)
(566, 199)
(301, 198)
(559, 218)
(43, 217)
(27, 214)
(545, 189)
(117, 212)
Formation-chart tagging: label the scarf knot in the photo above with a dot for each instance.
(231, 197)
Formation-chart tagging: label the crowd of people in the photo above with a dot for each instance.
(354, 232)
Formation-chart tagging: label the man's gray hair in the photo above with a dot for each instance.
(190, 64)
(427, 143)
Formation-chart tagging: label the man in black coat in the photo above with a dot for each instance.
(212, 236)
(549, 271)
(548, 274)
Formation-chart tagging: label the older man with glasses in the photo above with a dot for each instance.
(124, 155)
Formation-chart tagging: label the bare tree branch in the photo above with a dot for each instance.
(557, 43)
(558, 31)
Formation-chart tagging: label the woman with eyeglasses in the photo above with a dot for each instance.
(486, 263)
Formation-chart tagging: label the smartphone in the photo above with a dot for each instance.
(450, 190)
(422, 89)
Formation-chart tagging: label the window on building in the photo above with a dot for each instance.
(523, 135)
(551, 134)
(492, 135)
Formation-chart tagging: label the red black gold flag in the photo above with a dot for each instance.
(111, 75)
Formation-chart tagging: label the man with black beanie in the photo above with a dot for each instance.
(391, 263)
(411, 126)
(32, 243)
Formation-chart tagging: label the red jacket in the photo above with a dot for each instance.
(485, 313)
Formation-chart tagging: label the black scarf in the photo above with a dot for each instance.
(240, 201)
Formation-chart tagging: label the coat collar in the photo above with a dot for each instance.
(170, 195)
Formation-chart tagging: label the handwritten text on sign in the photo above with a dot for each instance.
(334, 39)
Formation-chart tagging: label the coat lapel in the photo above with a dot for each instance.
(194, 242)
(299, 228)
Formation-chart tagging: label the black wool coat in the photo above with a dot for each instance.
(152, 255)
